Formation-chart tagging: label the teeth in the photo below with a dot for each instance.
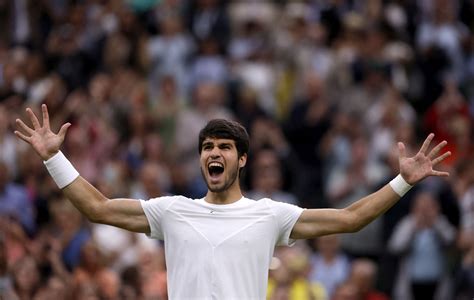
(216, 164)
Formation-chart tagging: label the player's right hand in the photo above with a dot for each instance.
(45, 142)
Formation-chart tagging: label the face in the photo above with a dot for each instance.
(267, 172)
(26, 274)
(328, 244)
(426, 206)
(220, 164)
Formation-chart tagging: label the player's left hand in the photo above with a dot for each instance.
(420, 166)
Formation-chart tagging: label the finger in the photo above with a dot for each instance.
(439, 173)
(401, 150)
(439, 159)
(33, 118)
(436, 149)
(62, 132)
(426, 143)
(25, 127)
(22, 136)
(44, 109)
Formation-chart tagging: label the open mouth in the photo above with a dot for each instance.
(215, 169)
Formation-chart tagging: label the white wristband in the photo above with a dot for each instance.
(61, 169)
(400, 186)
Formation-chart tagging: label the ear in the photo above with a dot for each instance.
(243, 161)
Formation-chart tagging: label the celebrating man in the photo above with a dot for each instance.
(220, 246)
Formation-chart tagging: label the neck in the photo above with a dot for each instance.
(228, 196)
(329, 257)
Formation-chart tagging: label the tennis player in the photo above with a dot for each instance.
(220, 246)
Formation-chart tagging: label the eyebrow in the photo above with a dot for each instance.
(219, 144)
(225, 144)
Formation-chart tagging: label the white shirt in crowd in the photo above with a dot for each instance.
(219, 251)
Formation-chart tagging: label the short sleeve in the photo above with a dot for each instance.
(155, 210)
(286, 216)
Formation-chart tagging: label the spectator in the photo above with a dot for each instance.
(209, 64)
(6, 285)
(464, 285)
(132, 285)
(168, 52)
(373, 75)
(25, 278)
(15, 201)
(452, 108)
(150, 183)
(265, 134)
(336, 144)
(421, 238)
(15, 241)
(165, 109)
(91, 270)
(267, 178)
(8, 146)
(209, 19)
(345, 185)
(246, 106)
(346, 291)
(310, 118)
(69, 228)
(153, 273)
(464, 188)
(364, 275)
(288, 279)
(124, 250)
(55, 288)
(441, 29)
(250, 50)
(384, 118)
(329, 265)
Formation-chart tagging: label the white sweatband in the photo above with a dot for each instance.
(400, 186)
(61, 169)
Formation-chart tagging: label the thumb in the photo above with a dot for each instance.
(401, 150)
(62, 132)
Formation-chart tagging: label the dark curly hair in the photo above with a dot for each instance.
(226, 129)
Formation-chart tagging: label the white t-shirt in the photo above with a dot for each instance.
(219, 251)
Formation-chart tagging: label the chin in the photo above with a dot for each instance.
(216, 189)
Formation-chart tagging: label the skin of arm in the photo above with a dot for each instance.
(128, 213)
(316, 222)
(402, 236)
(124, 213)
(445, 231)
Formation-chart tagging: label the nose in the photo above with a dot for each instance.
(215, 153)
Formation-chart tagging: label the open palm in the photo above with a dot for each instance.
(45, 142)
(416, 168)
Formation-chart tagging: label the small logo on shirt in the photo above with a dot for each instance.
(211, 211)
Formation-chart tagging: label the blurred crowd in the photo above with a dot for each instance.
(325, 88)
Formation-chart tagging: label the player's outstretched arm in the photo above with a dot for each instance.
(317, 222)
(123, 213)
